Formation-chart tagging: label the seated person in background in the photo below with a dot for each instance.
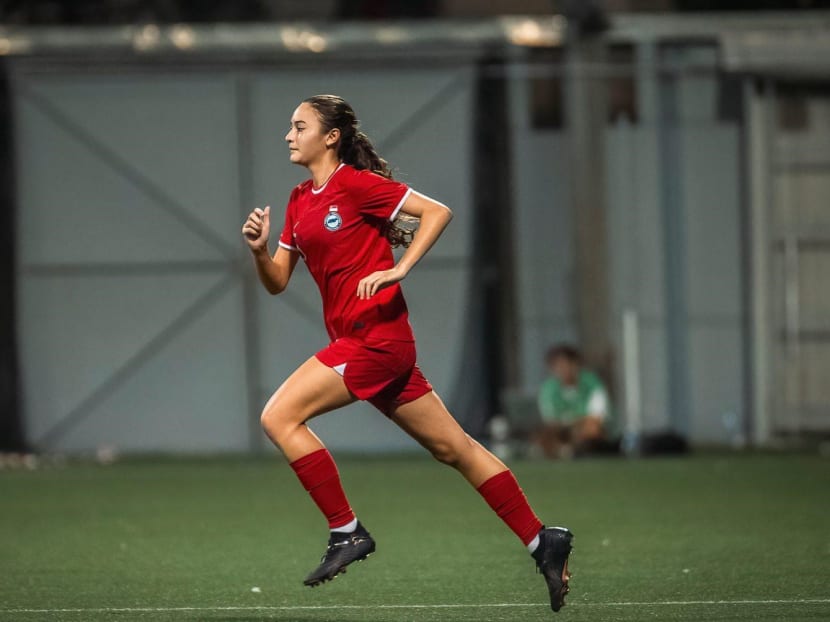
(574, 407)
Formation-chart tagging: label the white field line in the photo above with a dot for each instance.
(660, 603)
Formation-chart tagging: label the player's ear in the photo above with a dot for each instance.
(332, 137)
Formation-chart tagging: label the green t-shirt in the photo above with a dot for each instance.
(566, 404)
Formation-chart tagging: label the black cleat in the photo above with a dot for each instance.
(552, 561)
(343, 549)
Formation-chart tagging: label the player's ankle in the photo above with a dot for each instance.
(347, 528)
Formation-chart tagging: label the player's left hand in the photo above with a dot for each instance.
(372, 284)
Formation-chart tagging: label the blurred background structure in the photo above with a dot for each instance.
(649, 180)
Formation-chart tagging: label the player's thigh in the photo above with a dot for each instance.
(313, 389)
(428, 421)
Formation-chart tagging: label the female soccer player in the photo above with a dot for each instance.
(343, 222)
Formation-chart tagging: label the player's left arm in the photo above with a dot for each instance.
(435, 217)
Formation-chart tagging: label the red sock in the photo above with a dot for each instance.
(503, 494)
(318, 475)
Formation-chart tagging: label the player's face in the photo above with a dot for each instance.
(306, 141)
(565, 370)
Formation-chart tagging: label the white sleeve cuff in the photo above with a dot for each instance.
(598, 404)
(288, 246)
(400, 204)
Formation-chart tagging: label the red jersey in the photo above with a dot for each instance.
(338, 230)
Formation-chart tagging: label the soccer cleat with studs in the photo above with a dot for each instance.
(343, 549)
(552, 562)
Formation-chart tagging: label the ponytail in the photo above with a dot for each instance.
(357, 150)
(401, 231)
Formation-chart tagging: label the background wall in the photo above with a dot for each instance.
(704, 204)
(140, 324)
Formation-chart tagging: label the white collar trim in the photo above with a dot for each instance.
(323, 187)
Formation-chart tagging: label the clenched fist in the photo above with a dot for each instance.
(257, 228)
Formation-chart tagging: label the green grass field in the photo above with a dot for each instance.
(703, 538)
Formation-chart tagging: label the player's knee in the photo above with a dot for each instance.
(451, 453)
(275, 425)
(445, 453)
(266, 420)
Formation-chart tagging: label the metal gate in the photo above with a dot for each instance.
(789, 130)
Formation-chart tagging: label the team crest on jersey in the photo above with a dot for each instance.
(333, 220)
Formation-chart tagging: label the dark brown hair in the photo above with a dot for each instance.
(354, 148)
(565, 351)
(357, 150)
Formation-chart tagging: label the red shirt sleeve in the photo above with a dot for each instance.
(287, 236)
(378, 196)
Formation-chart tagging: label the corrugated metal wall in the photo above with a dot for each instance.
(140, 326)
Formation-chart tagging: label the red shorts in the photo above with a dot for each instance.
(380, 371)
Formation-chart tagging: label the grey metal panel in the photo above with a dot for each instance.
(706, 159)
(711, 161)
(636, 271)
(544, 248)
(106, 126)
(717, 381)
(129, 318)
(711, 156)
(144, 170)
(655, 395)
(801, 199)
(634, 219)
(75, 209)
(190, 399)
(77, 333)
(697, 97)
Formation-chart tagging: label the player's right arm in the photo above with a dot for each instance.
(273, 272)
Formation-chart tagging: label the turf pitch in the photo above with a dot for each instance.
(717, 537)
